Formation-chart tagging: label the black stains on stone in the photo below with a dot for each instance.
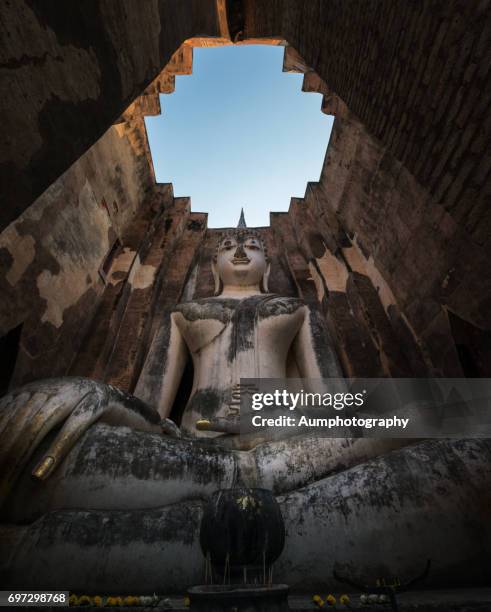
(320, 341)
(246, 316)
(120, 454)
(343, 239)
(6, 259)
(473, 346)
(49, 350)
(77, 25)
(406, 478)
(312, 293)
(273, 306)
(177, 523)
(9, 347)
(183, 393)
(243, 325)
(242, 314)
(43, 260)
(194, 226)
(68, 128)
(158, 366)
(168, 224)
(48, 163)
(412, 351)
(317, 245)
(112, 237)
(236, 19)
(208, 308)
(247, 313)
(207, 402)
(15, 196)
(118, 276)
(363, 248)
(27, 60)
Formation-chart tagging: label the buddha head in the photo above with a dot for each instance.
(241, 260)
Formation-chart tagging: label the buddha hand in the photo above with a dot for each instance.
(29, 413)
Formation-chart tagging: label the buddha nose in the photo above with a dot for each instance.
(240, 253)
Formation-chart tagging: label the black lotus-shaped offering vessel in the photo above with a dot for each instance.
(242, 535)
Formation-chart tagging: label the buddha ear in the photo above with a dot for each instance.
(218, 282)
(265, 280)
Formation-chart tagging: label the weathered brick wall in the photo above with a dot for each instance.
(420, 257)
(417, 76)
(117, 337)
(68, 71)
(50, 256)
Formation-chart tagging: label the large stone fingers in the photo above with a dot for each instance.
(88, 410)
(25, 428)
(113, 407)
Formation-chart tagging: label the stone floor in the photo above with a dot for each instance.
(457, 600)
(415, 601)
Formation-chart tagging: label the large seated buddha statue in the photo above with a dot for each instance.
(101, 491)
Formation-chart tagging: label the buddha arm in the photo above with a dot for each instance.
(174, 363)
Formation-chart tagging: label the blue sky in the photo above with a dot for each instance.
(239, 132)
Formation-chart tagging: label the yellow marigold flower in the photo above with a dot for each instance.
(331, 600)
(344, 599)
(112, 601)
(98, 601)
(187, 601)
(131, 600)
(84, 600)
(73, 600)
(317, 599)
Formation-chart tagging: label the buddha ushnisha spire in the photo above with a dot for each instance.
(242, 223)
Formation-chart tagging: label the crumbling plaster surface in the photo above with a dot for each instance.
(141, 276)
(69, 70)
(21, 251)
(409, 245)
(50, 256)
(332, 270)
(52, 253)
(78, 240)
(81, 83)
(370, 215)
(359, 263)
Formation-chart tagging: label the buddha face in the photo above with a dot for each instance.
(241, 260)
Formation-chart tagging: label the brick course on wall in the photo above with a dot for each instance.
(416, 74)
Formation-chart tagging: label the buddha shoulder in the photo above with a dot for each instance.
(273, 305)
(223, 309)
(206, 309)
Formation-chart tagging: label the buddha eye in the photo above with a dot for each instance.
(253, 245)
